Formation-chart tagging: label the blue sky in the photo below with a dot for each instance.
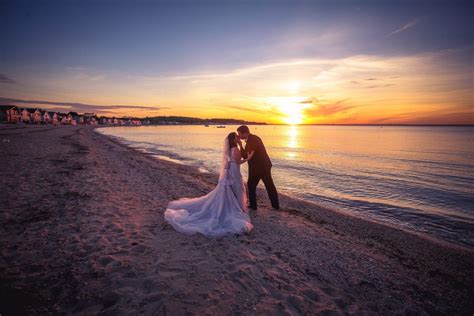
(93, 51)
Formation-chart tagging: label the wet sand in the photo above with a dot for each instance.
(82, 231)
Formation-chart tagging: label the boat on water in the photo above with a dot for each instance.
(220, 126)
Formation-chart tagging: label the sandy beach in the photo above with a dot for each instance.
(82, 232)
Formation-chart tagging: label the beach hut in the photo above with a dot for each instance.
(13, 115)
(45, 118)
(36, 115)
(109, 121)
(25, 116)
(55, 119)
(9, 113)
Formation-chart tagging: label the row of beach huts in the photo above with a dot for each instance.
(17, 115)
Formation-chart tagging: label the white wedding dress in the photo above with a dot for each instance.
(221, 212)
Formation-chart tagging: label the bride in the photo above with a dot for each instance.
(223, 210)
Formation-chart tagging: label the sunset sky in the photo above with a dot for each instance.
(343, 62)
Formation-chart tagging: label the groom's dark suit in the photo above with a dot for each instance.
(259, 169)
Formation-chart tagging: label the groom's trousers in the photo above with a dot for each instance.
(254, 179)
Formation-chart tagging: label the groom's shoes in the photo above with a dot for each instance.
(277, 207)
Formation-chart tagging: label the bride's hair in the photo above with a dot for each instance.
(231, 140)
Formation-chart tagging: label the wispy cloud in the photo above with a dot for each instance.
(443, 117)
(328, 109)
(254, 109)
(308, 69)
(5, 79)
(251, 69)
(81, 107)
(404, 27)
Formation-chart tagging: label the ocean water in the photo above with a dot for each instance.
(419, 178)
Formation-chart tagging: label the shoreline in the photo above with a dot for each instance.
(305, 205)
(303, 259)
(305, 208)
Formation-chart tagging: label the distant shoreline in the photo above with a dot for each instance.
(267, 124)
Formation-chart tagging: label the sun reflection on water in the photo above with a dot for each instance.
(292, 141)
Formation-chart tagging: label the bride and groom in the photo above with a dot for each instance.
(224, 210)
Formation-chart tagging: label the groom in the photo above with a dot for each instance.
(259, 167)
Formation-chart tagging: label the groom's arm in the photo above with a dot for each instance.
(249, 147)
